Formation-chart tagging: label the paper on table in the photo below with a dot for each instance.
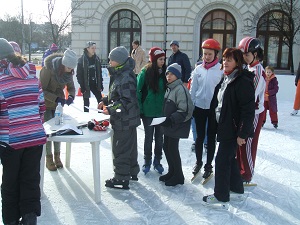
(68, 129)
(158, 120)
(94, 109)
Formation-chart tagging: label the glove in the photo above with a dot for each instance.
(167, 122)
(61, 100)
(70, 100)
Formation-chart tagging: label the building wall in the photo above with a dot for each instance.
(183, 22)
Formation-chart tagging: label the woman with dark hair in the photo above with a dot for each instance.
(54, 76)
(89, 74)
(234, 114)
(22, 137)
(151, 87)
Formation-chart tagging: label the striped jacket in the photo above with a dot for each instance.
(22, 108)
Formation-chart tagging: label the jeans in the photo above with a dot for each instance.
(158, 139)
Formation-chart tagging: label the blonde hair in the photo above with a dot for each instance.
(270, 68)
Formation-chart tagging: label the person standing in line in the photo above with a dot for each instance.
(206, 77)
(178, 109)
(182, 59)
(53, 49)
(54, 76)
(253, 54)
(151, 88)
(297, 95)
(139, 56)
(234, 114)
(123, 107)
(89, 74)
(270, 96)
(22, 137)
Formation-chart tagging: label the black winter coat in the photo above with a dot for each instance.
(238, 108)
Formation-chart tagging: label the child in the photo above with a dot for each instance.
(270, 96)
(178, 108)
(22, 137)
(123, 108)
(151, 88)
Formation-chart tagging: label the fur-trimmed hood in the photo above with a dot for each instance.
(53, 61)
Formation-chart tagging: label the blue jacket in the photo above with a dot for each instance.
(183, 60)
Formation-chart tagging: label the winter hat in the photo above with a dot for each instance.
(119, 55)
(5, 48)
(16, 47)
(69, 59)
(89, 44)
(174, 42)
(156, 53)
(53, 47)
(175, 69)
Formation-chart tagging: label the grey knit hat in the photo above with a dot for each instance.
(175, 69)
(173, 42)
(69, 59)
(119, 55)
(5, 49)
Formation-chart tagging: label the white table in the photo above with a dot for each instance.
(94, 137)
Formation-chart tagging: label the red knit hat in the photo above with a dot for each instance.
(156, 53)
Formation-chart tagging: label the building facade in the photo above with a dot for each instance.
(157, 22)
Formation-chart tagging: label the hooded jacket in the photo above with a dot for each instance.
(122, 102)
(179, 108)
(53, 84)
(22, 108)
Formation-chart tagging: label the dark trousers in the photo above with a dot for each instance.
(124, 147)
(273, 115)
(171, 149)
(20, 189)
(158, 139)
(227, 174)
(205, 119)
(96, 92)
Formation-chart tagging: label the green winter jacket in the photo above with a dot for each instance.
(150, 103)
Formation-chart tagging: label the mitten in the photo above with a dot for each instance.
(167, 122)
(61, 100)
(70, 100)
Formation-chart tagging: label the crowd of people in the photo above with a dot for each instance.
(227, 95)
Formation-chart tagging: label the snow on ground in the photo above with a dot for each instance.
(68, 193)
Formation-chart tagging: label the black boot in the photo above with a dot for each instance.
(197, 167)
(207, 171)
(119, 184)
(173, 181)
(29, 219)
(165, 177)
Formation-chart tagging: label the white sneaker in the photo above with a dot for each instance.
(211, 200)
(295, 112)
(237, 196)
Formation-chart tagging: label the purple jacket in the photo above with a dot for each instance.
(272, 90)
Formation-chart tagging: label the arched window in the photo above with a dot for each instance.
(269, 31)
(124, 27)
(220, 25)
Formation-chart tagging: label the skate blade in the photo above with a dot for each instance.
(118, 187)
(221, 206)
(250, 184)
(195, 176)
(204, 181)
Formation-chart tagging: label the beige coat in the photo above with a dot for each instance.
(139, 57)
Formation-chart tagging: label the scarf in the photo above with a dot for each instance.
(207, 65)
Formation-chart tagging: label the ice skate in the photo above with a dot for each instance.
(275, 125)
(236, 196)
(118, 184)
(295, 112)
(134, 178)
(208, 173)
(146, 166)
(211, 200)
(193, 147)
(157, 166)
(196, 171)
(248, 183)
